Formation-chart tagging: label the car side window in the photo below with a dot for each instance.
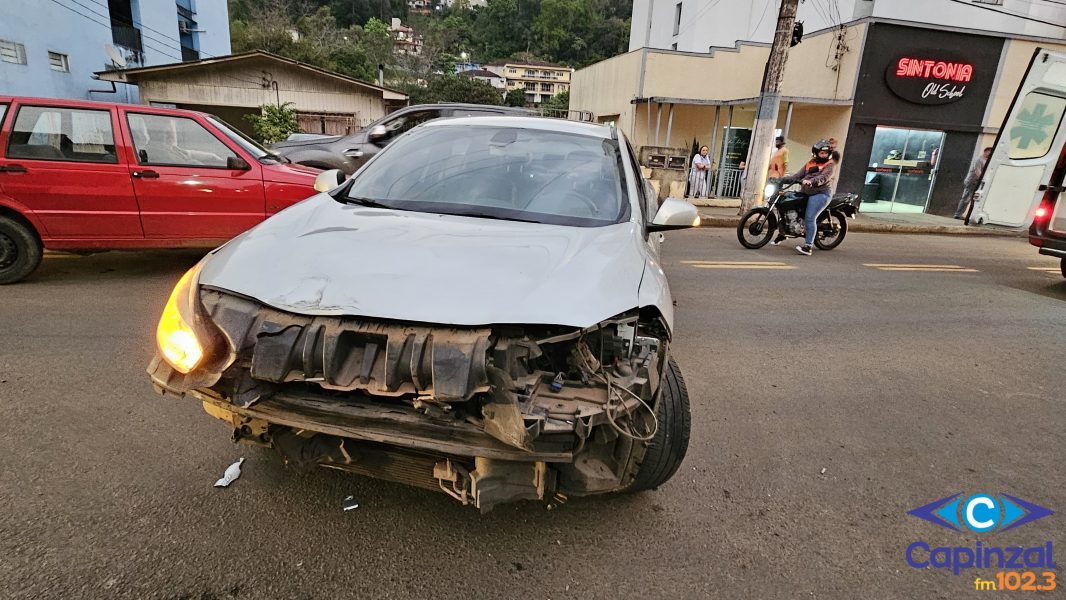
(642, 184)
(62, 134)
(3, 113)
(164, 140)
(409, 121)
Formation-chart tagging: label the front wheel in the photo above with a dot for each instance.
(830, 240)
(756, 228)
(668, 448)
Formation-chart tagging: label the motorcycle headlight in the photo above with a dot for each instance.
(769, 190)
(175, 337)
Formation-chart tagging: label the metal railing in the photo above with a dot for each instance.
(722, 183)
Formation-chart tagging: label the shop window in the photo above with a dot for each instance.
(1035, 127)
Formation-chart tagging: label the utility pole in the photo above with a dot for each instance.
(769, 104)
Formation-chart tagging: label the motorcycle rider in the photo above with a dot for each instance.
(815, 178)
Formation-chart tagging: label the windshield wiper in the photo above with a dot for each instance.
(365, 202)
(482, 215)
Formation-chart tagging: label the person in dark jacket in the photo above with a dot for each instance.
(815, 178)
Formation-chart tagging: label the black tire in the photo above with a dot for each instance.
(756, 228)
(824, 243)
(667, 449)
(20, 251)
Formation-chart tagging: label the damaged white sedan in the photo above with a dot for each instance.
(480, 310)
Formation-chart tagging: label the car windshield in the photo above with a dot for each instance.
(498, 172)
(248, 144)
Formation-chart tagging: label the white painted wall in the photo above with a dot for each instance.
(706, 23)
(81, 29)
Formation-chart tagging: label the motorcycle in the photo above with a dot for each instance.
(783, 215)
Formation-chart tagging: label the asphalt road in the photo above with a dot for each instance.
(904, 386)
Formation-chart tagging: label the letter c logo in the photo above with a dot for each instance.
(981, 513)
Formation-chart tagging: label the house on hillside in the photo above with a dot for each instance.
(541, 80)
(494, 79)
(405, 40)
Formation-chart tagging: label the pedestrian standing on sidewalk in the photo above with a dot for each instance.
(699, 174)
(969, 185)
(779, 159)
(815, 178)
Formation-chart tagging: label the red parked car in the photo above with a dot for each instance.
(77, 175)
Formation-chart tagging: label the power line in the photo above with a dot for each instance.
(1004, 12)
(166, 48)
(761, 17)
(172, 42)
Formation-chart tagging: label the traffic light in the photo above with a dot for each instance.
(797, 33)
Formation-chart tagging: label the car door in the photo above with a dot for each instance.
(1026, 148)
(190, 184)
(61, 162)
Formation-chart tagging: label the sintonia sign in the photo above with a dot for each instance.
(929, 78)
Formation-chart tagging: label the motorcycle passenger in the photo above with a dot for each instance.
(815, 178)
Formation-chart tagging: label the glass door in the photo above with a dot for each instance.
(902, 170)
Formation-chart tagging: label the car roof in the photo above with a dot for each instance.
(539, 123)
(97, 104)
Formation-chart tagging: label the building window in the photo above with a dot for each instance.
(12, 52)
(531, 87)
(512, 71)
(677, 18)
(58, 62)
(673, 46)
(546, 87)
(531, 73)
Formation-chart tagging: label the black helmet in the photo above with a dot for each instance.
(821, 146)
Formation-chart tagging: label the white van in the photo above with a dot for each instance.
(1027, 148)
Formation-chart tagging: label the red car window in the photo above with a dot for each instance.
(62, 134)
(176, 141)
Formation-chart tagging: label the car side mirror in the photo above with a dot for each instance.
(377, 133)
(674, 214)
(236, 163)
(327, 180)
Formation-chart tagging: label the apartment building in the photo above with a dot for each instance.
(52, 48)
(541, 80)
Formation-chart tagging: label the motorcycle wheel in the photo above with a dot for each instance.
(828, 241)
(756, 228)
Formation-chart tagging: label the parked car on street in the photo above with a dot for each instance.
(481, 311)
(350, 152)
(77, 175)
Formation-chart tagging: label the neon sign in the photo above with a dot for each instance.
(934, 69)
(922, 80)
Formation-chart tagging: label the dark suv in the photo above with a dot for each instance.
(349, 152)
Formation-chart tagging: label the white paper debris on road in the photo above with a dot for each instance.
(232, 473)
(350, 503)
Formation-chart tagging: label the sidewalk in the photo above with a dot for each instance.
(718, 216)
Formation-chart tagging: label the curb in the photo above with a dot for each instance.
(868, 227)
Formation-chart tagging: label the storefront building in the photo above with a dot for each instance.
(910, 104)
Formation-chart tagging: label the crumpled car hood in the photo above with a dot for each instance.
(321, 257)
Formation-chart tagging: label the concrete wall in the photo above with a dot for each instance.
(81, 30)
(607, 87)
(236, 85)
(44, 26)
(159, 29)
(707, 23)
